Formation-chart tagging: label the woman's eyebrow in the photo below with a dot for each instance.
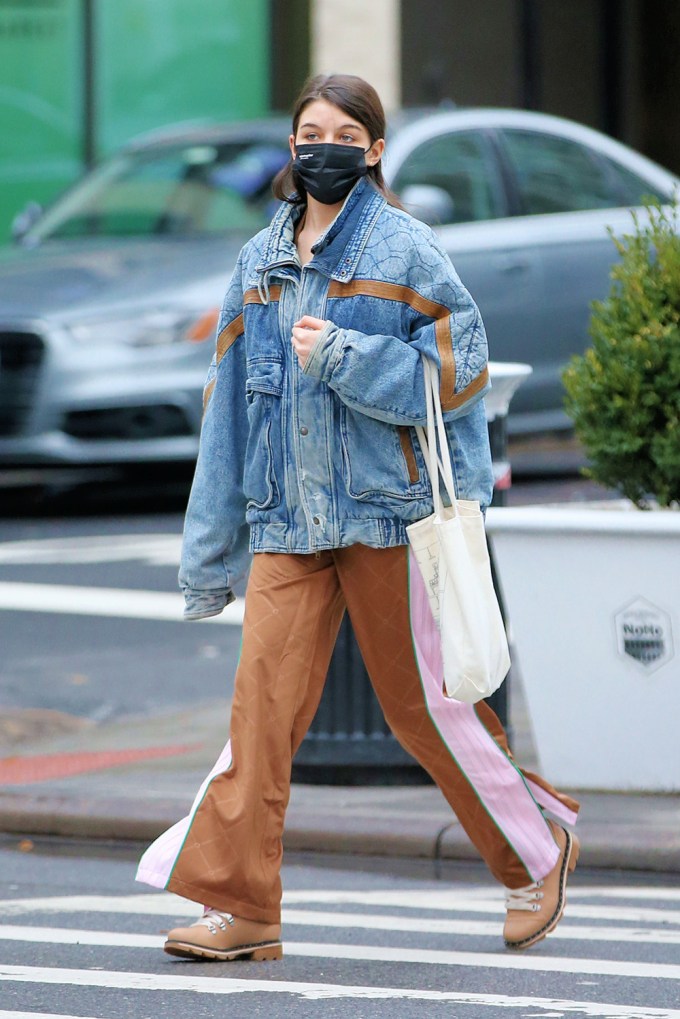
(344, 126)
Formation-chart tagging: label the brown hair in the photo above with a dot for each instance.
(358, 99)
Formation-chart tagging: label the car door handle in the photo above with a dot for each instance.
(514, 265)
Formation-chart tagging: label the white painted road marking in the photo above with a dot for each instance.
(153, 549)
(374, 953)
(158, 905)
(449, 899)
(622, 892)
(105, 601)
(165, 904)
(318, 992)
(42, 1015)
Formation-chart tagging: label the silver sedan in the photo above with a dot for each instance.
(108, 303)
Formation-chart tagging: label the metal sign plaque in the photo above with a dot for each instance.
(644, 634)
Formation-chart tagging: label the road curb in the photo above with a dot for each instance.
(140, 821)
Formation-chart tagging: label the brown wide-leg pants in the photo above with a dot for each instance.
(230, 855)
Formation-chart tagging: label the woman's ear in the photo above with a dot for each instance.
(291, 142)
(375, 153)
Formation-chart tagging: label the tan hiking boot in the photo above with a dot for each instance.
(223, 936)
(537, 909)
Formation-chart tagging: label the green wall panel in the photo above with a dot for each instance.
(155, 62)
(40, 101)
(163, 61)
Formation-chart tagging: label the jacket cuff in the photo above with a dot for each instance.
(203, 604)
(321, 360)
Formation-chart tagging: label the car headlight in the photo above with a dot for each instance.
(149, 328)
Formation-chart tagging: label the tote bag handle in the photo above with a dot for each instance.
(438, 463)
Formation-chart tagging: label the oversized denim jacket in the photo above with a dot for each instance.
(299, 461)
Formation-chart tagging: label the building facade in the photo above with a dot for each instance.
(80, 77)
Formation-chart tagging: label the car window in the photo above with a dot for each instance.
(631, 187)
(460, 165)
(182, 190)
(554, 174)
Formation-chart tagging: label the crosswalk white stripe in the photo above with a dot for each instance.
(42, 1015)
(374, 953)
(154, 549)
(475, 928)
(164, 904)
(449, 900)
(464, 928)
(105, 601)
(567, 931)
(663, 894)
(71, 936)
(317, 991)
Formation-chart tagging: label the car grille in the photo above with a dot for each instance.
(21, 355)
(128, 423)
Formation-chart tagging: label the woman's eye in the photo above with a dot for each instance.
(347, 139)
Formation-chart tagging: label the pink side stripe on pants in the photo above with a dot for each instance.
(227, 851)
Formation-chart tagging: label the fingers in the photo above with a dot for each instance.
(309, 322)
(303, 338)
(305, 333)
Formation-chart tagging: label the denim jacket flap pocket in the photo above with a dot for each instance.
(264, 376)
(261, 478)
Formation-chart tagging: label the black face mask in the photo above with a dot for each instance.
(329, 172)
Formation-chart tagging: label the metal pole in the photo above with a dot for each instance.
(349, 742)
(89, 127)
(529, 41)
(610, 65)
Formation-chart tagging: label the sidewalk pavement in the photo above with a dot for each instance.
(133, 778)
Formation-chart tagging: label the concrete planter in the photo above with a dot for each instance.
(593, 597)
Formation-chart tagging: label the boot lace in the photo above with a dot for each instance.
(527, 898)
(215, 920)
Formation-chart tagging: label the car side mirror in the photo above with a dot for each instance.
(24, 220)
(432, 205)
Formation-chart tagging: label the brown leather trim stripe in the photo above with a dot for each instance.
(470, 390)
(231, 332)
(207, 393)
(228, 335)
(226, 338)
(439, 312)
(409, 453)
(447, 375)
(252, 296)
(388, 292)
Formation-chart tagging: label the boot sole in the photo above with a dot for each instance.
(263, 952)
(571, 855)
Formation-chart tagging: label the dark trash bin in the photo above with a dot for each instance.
(349, 741)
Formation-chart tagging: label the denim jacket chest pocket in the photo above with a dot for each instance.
(264, 392)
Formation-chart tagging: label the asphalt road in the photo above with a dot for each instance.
(67, 561)
(79, 939)
(87, 607)
(57, 555)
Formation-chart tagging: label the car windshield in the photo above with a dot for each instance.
(182, 190)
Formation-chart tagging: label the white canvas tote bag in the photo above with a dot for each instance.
(451, 551)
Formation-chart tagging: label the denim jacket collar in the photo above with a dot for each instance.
(337, 251)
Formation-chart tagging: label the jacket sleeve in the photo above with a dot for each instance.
(382, 376)
(215, 544)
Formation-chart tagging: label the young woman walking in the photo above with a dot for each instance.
(308, 461)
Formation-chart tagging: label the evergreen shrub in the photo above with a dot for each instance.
(623, 394)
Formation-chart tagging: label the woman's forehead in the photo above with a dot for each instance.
(321, 113)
